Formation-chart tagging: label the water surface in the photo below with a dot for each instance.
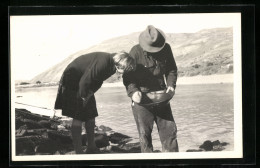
(201, 112)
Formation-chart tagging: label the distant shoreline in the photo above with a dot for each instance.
(210, 79)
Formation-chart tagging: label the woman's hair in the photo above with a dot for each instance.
(124, 61)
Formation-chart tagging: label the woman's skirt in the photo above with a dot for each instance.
(68, 99)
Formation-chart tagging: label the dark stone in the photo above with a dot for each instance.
(25, 147)
(67, 124)
(98, 131)
(18, 122)
(47, 146)
(54, 126)
(42, 132)
(28, 115)
(104, 128)
(118, 138)
(25, 114)
(45, 123)
(131, 147)
(35, 139)
(215, 143)
(218, 148)
(21, 131)
(61, 136)
(64, 148)
(207, 145)
(224, 143)
(18, 111)
(31, 124)
(101, 140)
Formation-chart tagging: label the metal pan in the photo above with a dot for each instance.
(155, 98)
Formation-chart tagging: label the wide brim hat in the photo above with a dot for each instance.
(152, 39)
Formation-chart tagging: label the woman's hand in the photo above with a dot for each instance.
(137, 96)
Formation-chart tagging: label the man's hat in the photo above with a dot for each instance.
(152, 39)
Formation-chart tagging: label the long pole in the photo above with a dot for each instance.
(38, 107)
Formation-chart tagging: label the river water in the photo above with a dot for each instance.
(201, 112)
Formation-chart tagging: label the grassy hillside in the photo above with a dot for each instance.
(206, 52)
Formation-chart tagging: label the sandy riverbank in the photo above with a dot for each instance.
(211, 79)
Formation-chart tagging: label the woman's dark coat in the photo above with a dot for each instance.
(81, 79)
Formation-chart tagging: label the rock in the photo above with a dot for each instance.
(131, 147)
(66, 123)
(106, 149)
(25, 147)
(41, 132)
(45, 124)
(101, 140)
(54, 125)
(21, 131)
(35, 139)
(207, 145)
(64, 148)
(224, 143)
(38, 135)
(216, 143)
(218, 148)
(212, 146)
(47, 146)
(28, 115)
(119, 138)
(61, 128)
(63, 137)
(104, 128)
(25, 114)
(42, 145)
(18, 122)
(31, 124)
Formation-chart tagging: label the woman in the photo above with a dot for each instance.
(80, 80)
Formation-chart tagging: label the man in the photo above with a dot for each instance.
(156, 70)
(80, 80)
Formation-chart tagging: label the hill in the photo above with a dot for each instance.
(206, 52)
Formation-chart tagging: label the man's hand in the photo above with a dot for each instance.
(137, 96)
(170, 90)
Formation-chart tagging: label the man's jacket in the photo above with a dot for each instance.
(150, 71)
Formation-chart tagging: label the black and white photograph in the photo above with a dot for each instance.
(126, 86)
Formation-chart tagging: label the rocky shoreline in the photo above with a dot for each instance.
(42, 135)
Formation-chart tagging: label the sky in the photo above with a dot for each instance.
(40, 42)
